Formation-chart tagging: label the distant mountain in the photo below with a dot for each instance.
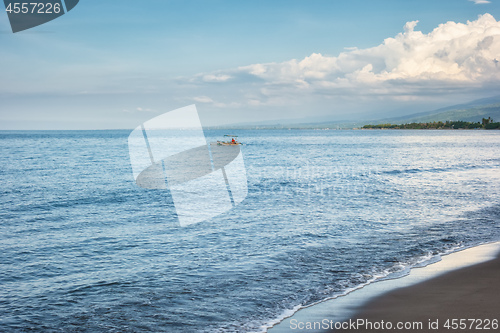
(472, 111)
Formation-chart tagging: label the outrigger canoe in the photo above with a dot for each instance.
(228, 143)
(233, 141)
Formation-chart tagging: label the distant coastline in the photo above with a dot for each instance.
(486, 123)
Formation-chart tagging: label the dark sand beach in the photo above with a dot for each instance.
(470, 294)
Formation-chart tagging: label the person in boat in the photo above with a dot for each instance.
(233, 141)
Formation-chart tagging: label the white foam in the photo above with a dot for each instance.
(423, 268)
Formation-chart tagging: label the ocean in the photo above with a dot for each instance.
(84, 249)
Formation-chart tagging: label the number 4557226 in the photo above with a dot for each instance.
(33, 8)
(478, 324)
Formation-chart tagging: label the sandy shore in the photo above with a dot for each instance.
(468, 293)
(460, 285)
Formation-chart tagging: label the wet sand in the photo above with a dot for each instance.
(468, 293)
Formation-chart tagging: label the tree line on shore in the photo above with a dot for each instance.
(486, 123)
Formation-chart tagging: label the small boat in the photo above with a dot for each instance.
(233, 141)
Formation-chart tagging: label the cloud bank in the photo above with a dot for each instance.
(451, 58)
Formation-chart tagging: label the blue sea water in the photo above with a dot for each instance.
(83, 249)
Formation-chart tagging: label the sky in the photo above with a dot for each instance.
(116, 64)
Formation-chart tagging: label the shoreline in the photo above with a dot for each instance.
(361, 301)
(463, 300)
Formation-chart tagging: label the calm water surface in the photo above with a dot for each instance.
(83, 249)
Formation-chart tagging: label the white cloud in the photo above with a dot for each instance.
(478, 2)
(216, 77)
(208, 100)
(203, 99)
(139, 109)
(453, 56)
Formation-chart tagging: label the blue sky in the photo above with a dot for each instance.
(115, 64)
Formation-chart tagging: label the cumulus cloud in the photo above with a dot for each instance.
(451, 57)
(478, 2)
